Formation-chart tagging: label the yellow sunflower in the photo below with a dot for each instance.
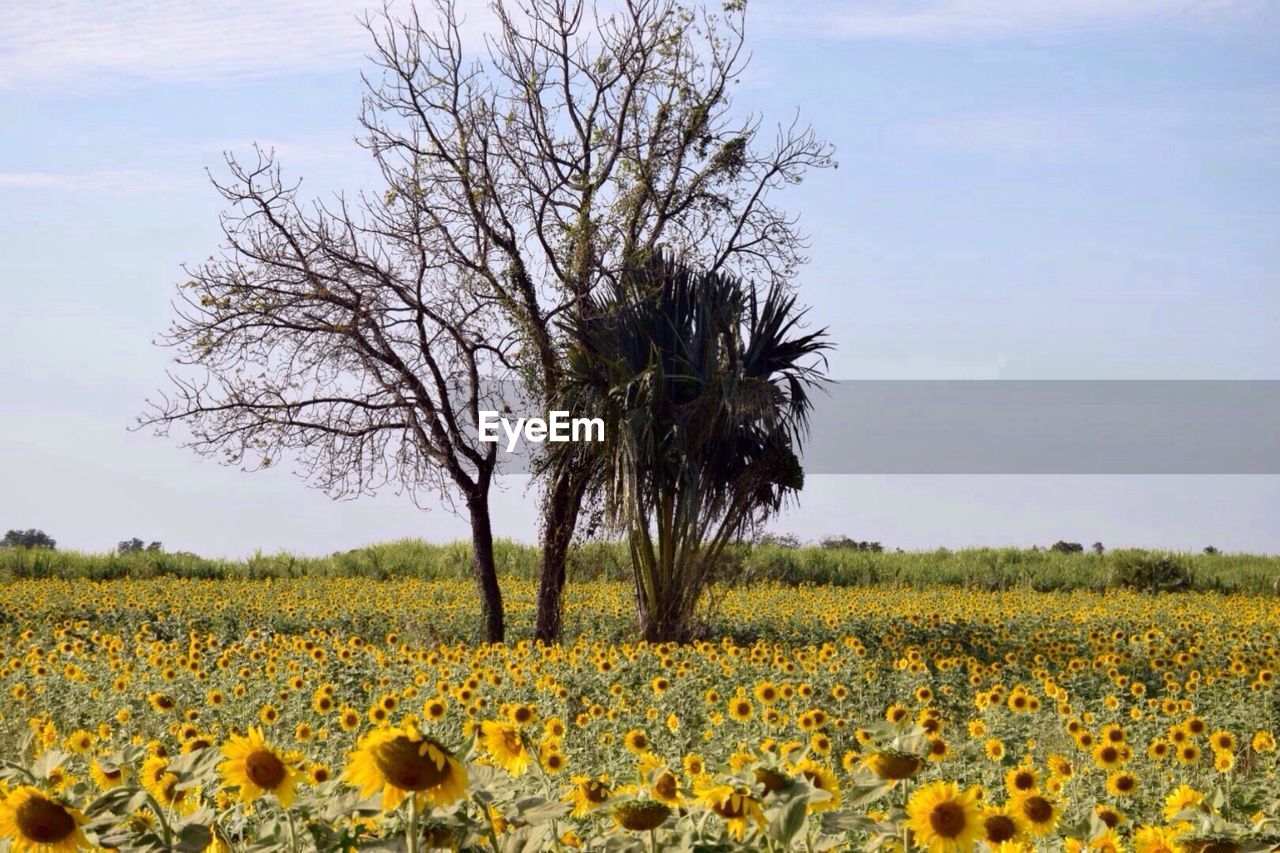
(893, 765)
(820, 777)
(1037, 813)
(35, 822)
(255, 768)
(735, 806)
(586, 793)
(505, 746)
(1156, 839)
(945, 819)
(403, 761)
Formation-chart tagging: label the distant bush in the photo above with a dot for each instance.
(973, 568)
(28, 539)
(1067, 547)
(135, 546)
(835, 542)
(1151, 571)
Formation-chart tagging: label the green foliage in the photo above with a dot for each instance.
(974, 568)
(28, 539)
(1152, 571)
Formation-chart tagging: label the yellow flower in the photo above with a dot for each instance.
(1181, 799)
(1122, 783)
(401, 762)
(1037, 813)
(586, 793)
(255, 768)
(106, 776)
(640, 815)
(504, 745)
(821, 778)
(34, 822)
(999, 827)
(1155, 839)
(893, 765)
(944, 819)
(735, 806)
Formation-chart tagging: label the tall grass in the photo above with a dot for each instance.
(978, 568)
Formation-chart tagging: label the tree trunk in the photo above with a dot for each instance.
(485, 572)
(564, 501)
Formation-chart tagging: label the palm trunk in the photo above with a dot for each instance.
(564, 502)
(485, 571)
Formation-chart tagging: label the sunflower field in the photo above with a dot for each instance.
(318, 714)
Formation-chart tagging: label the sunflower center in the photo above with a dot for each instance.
(595, 792)
(999, 828)
(264, 769)
(1038, 809)
(408, 769)
(947, 819)
(44, 821)
(732, 807)
(666, 785)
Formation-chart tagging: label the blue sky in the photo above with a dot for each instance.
(1039, 189)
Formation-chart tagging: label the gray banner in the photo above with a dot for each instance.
(1032, 427)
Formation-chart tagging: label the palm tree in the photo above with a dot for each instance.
(704, 389)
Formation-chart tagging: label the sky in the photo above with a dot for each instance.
(1076, 189)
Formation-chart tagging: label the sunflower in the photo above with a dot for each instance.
(586, 793)
(505, 746)
(821, 778)
(640, 815)
(893, 765)
(998, 826)
(1037, 813)
(255, 768)
(403, 761)
(1223, 741)
(1122, 783)
(1021, 779)
(34, 822)
(637, 741)
(944, 819)
(79, 742)
(740, 709)
(735, 806)
(106, 775)
(1156, 839)
(1180, 799)
(349, 719)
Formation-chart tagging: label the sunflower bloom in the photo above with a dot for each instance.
(255, 768)
(944, 818)
(735, 807)
(35, 822)
(403, 761)
(505, 746)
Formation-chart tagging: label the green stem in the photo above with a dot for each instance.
(165, 831)
(293, 833)
(411, 834)
(488, 820)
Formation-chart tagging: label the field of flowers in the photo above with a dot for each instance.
(344, 713)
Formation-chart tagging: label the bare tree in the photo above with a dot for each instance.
(337, 334)
(574, 145)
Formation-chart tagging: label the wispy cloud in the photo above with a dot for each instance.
(68, 43)
(99, 180)
(967, 19)
(78, 43)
